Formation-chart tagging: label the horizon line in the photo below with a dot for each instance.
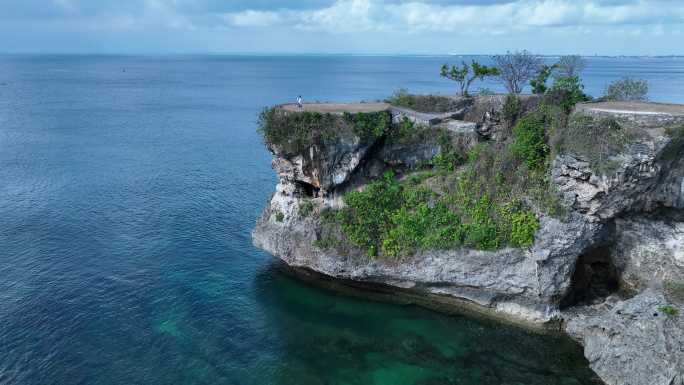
(257, 54)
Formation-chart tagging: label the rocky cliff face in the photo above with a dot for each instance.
(624, 230)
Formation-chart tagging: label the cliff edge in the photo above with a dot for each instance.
(508, 206)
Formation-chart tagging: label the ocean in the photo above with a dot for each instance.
(128, 189)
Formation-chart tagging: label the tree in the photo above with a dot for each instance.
(570, 66)
(465, 77)
(567, 91)
(627, 89)
(539, 82)
(516, 69)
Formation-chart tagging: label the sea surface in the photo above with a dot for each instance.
(128, 190)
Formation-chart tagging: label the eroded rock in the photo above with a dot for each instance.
(633, 216)
(632, 342)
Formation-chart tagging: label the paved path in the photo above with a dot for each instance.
(640, 108)
(337, 108)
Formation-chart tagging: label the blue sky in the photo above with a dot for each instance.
(610, 27)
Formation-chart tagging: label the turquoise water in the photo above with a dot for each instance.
(129, 188)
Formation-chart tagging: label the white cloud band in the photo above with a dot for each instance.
(377, 15)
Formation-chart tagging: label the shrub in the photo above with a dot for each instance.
(402, 98)
(675, 289)
(511, 109)
(425, 103)
(407, 231)
(369, 125)
(538, 83)
(470, 207)
(408, 132)
(306, 207)
(673, 149)
(448, 158)
(419, 177)
(524, 224)
(675, 132)
(446, 161)
(367, 216)
(327, 242)
(446, 231)
(529, 140)
(279, 216)
(294, 132)
(493, 184)
(594, 140)
(669, 310)
(481, 231)
(566, 92)
(627, 89)
(403, 131)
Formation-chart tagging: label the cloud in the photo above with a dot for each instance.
(340, 16)
(488, 17)
(252, 18)
(67, 5)
(347, 25)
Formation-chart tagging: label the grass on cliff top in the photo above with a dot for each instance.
(294, 132)
(425, 103)
(594, 140)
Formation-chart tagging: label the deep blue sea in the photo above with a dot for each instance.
(128, 190)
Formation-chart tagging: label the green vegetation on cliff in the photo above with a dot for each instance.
(486, 198)
(530, 140)
(425, 103)
(594, 140)
(627, 90)
(483, 204)
(675, 290)
(470, 208)
(294, 132)
(669, 310)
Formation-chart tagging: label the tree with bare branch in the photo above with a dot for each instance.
(570, 65)
(517, 68)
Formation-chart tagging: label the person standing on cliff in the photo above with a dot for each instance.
(299, 101)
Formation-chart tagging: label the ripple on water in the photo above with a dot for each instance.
(126, 203)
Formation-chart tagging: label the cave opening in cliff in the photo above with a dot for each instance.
(594, 279)
(308, 189)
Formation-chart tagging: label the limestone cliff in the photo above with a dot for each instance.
(603, 269)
